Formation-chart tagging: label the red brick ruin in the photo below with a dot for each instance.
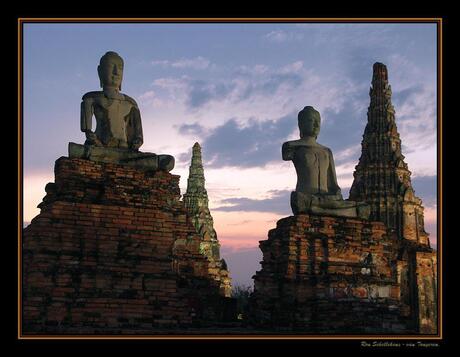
(114, 251)
(337, 275)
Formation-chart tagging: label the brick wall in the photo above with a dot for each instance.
(113, 251)
(329, 275)
(426, 275)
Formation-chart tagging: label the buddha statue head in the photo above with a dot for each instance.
(309, 121)
(110, 70)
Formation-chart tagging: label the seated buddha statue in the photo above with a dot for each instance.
(118, 135)
(317, 190)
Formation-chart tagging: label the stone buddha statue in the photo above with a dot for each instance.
(118, 120)
(317, 190)
(118, 135)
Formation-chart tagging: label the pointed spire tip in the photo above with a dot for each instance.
(380, 71)
(379, 64)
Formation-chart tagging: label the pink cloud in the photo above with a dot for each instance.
(238, 243)
(243, 230)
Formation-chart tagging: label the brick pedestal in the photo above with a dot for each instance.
(114, 251)
(329, 275)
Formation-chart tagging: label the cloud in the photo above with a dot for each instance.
(150, 99)
(278, 203)
(196, 63)
(201, 92)
(258, 142)
(416, 119)
(194, 129)
(147, 95)
(425, 187)
(342, 36)
(344, 155)
(344, 114)
(160, 63)
(170, 83)
(272, 83)
(400, 97)
(240, 85)
(261, 80)
(255, 144)
(258, 96)
(280, 36)
(342, 130)
(245, 84)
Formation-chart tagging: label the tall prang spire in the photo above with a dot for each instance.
(196, 201)
(382, 142)
(382, 178)
(196, 180)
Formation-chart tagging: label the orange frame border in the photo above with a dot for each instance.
(439, 23)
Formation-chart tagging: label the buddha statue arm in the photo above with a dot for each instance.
(333, 186)
(135, 129)
(287, 151)
(86, 115)
(86, 119)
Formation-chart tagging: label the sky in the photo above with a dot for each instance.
(236, 89)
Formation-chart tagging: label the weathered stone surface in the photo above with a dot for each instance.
(136, 159)
(114, 251)
(317, 190)
(427, 283)
(118, 135)
(329, 275)
(196, 202)
(382, 179)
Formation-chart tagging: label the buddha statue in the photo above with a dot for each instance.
(317, 190)
(118, 135)
(118, 120)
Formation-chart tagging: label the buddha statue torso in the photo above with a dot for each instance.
(315, 169)
(116, 118)
(311, 163)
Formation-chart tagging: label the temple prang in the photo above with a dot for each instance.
(382, 177)
(383, 180)
(197, 203)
